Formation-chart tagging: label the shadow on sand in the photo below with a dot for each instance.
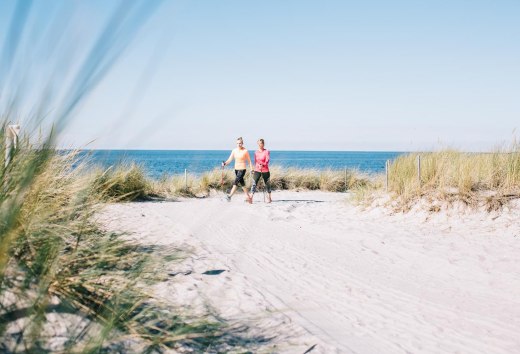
(298, 201)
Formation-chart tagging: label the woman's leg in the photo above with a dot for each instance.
(233, 190)
(236, 183)
(240, 180)
(256, 178)
(249, 198)
(267, 176)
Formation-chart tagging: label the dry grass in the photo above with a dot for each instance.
(312, 179)
(476, 179)
(55, 261)
(176, 185)
(281, 179)
(65, 284)
(125, 182)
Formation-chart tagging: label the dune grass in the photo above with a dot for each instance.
(313, 179)
(490, 180)
(124, 182)
(56, 261)
(281, 179)
(58, 269)
(66, 285)
(476, 179)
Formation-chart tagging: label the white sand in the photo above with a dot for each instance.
(311, 268)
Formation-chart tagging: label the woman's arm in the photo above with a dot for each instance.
(230, 158)
(250, 163)
(267, 157)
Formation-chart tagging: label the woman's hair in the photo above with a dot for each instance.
(262, 140)
(240, 138)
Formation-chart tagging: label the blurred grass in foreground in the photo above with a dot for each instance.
(65, 284)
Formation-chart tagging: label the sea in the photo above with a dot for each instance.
(159, 163)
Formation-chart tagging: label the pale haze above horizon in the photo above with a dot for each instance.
(304, 75)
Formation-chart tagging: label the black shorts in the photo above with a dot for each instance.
(239, 180)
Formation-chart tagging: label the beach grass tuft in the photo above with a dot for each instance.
(475, 179)
(124, 182)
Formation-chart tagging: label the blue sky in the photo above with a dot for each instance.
(304, 75)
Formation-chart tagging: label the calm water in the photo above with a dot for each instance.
(161, 162)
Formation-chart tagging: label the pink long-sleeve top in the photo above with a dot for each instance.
(262, 160)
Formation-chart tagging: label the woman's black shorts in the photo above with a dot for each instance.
(239, 180)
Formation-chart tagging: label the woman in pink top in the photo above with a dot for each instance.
(262, 157)
(241, 156)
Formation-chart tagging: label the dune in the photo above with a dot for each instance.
(313, 272)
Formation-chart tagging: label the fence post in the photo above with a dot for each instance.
(345, 179)
(419, 170)
(185, 179)
(387, 172)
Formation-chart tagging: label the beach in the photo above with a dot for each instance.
(315, 272)
(387, 131)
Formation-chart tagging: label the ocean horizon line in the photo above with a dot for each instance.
(277, 150)
(300, 151)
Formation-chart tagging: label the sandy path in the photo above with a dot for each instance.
(348, 280)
